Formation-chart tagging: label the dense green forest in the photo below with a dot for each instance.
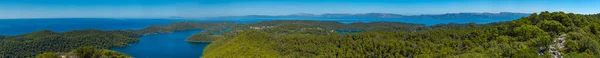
(29, 45)
(85, 52)
(180, 26)
(547, 33)
(204, 37)
(308, 27)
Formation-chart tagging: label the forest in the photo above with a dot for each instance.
(29, 45)
(307, 27)
(181, 26)
(85, 52)
(540, 35)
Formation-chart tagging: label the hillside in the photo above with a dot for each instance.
(527, 37)
(308, 27)
(28, 45)
(181, 26)
(84, 52)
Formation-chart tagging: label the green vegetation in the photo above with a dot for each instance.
(86, 52)
(204, 37)
(47, 55)
(521, 38)
(180, 26)
(304, 26)
(29, 45)
(2, 37)
(308, 27)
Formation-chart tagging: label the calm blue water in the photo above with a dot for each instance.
(11, 27)
(21, 26)
(171, 45)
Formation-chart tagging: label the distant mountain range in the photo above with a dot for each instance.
(377, 16)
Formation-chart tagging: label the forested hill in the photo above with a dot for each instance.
(29, 45)
(180, 26)
(307, 27)
(327, 27)
(538, 35)
(84, 52)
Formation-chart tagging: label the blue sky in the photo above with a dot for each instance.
(212, 8)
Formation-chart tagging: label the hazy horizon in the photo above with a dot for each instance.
(216, 8)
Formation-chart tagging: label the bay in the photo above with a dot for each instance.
(166, 45)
